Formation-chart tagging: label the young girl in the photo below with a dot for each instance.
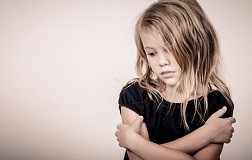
(174, 110)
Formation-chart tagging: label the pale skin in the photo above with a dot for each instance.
(205, 143)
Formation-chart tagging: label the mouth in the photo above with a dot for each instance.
(167, 72)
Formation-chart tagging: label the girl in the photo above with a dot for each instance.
(174, 109)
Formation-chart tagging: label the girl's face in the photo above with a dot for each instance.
(161, 61)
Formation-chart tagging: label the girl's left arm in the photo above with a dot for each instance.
(128, 117)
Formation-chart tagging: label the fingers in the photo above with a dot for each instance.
(228, 141)
(137, 122)
(220, 112)
(231, 135)
(120, 126)
(232, 129)
(231, 120)
(123, 129)
(116, 133)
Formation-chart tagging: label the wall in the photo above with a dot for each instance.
(63, 63)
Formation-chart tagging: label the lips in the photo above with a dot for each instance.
(167, 72)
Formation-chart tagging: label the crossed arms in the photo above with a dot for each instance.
(205, 143)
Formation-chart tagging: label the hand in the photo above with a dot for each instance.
(221, 128)
(125, 133)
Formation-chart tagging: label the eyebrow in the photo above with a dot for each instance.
(149, 48)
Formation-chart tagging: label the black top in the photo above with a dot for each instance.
(163, 121)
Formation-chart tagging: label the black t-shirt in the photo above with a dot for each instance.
(163, 121)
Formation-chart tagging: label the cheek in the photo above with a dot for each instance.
(150, 63)
(179, 69)
(177, 66)
(153, 66)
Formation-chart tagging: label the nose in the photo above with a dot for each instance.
(163, 60)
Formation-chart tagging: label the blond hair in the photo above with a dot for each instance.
(190, 37)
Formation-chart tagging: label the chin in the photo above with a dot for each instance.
(170, 83)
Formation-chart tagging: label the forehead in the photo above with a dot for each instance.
(151, 38)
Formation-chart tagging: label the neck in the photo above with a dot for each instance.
(178, 94)
(174, 94)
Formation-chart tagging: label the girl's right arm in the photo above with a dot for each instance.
(215, 130)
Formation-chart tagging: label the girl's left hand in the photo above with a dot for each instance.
(125, 133)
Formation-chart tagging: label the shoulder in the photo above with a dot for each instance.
(133, 91)
(217, 100)
(132, 87)
(134, 97)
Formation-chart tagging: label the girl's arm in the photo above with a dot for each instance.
(215, 130)
(151, 151)
(128, 117)
(128, 138)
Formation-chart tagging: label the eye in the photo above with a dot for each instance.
(151, 54)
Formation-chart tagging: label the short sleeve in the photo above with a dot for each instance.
(132, 96)
(217, 100)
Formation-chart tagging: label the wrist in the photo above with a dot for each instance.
(133, 141)
(208, 131)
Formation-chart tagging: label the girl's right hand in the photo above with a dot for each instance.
(221, 129)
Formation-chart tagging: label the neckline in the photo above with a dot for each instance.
(190, 100)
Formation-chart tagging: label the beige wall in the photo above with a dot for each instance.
(62, 63)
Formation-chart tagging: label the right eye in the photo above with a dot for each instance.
(151, 54)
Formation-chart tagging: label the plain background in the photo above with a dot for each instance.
(63, 64)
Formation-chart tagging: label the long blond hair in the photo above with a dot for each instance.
(189, 35)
